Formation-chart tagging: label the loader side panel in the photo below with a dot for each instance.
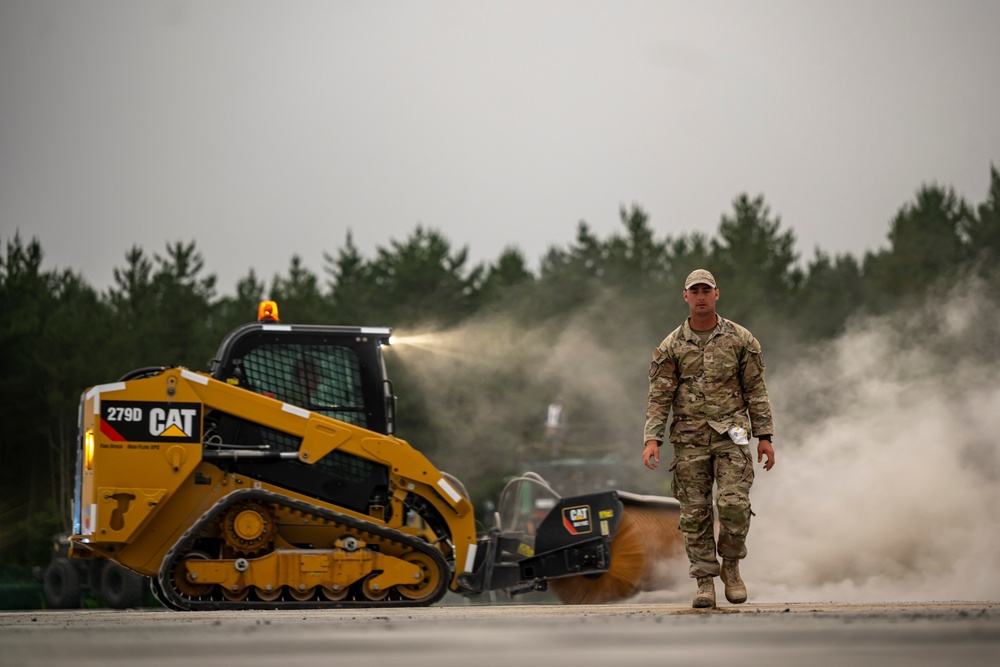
(139, 442)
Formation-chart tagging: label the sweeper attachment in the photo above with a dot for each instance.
(639, 532)
(275, 481)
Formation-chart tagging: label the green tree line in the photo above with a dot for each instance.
(60, 335)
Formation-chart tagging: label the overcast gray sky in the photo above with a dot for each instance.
(266, 129)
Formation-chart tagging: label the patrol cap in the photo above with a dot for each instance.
(700, 276)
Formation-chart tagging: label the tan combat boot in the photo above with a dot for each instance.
(736, 590)
(705, 597)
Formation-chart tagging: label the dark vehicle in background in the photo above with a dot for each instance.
(66, 582)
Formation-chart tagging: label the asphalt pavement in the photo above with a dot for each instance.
(890, 634)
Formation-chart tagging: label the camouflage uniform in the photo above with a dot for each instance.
(711, 386)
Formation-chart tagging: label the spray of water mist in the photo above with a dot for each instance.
(431, 342)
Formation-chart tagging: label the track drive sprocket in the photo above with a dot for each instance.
(248, 527)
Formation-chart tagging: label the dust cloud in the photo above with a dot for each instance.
(888, 444)
(888, 475)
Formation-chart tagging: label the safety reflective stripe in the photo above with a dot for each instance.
(470, 558)
(295, 410)
(96, 391)
(449, 489)
(194, 377)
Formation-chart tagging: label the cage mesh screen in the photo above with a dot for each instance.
(322, 378)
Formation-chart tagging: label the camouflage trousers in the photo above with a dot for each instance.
(696, 467)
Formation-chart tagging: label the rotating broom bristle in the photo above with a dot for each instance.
(646, 536)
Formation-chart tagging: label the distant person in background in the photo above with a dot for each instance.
(555, 427)
(710, 371)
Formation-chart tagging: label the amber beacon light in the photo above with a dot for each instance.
(267, 311)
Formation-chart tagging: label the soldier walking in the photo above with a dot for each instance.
(711, 372)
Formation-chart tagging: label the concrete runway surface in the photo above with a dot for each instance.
(887, 635)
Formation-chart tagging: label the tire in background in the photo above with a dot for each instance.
(61, 584)
(120, 588)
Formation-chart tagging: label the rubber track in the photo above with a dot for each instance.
(177, 602)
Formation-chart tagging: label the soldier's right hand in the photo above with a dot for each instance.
(651, 455)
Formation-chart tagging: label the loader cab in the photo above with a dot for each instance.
(335, 371)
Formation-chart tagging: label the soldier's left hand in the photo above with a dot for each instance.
(764, 448)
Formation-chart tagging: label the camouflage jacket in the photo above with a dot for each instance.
(710, 386)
